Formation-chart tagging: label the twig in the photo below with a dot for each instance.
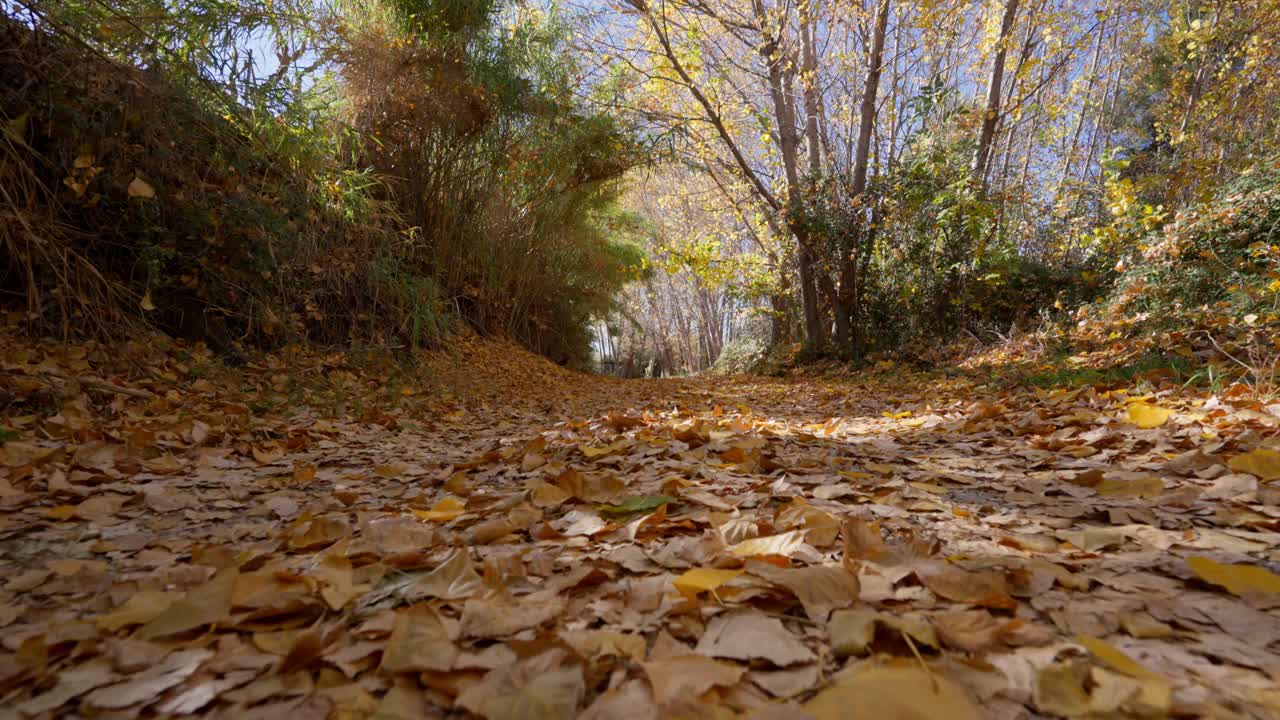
(933, 679)
(103, 385)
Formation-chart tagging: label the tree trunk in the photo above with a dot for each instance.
(844, 309)
(992, 115)
(788, 144)
(1092, 80)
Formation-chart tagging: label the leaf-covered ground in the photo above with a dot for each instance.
(336, 537)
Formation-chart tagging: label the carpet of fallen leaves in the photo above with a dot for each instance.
(318, 536)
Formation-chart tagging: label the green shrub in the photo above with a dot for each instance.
(1224, 251)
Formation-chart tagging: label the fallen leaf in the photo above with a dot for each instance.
(819, 588)
(783, 545)
(499, 616)
(142, 607)
(892, 692)
(1262, 463)
(636, 504)
(632, 700)
(446, 510)
(541, 688)
(1147, 416)
(969, 630)
(1060, 689)
(593, 644)
(1147, 487)
(987, 588)
(139, 188)
(150, 683)
(748, 635)
(688, 676)
(205, 605)
(418, 642)
(852, 631)
(1155, 691)
(72, 683)
(1237, 579)
(699, 580)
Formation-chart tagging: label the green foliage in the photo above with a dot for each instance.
(510, 184)
(1064, 374)
(396, 166)
(1225, 252)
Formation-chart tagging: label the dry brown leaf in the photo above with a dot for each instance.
(72, 683)
(892, 692)
(592, 644)
(404, 702)
(631, 701)
(142, 607)
(418, 642)
(852, 631)
(748, 635)
(819, 588)
(785, 544)
(987, 588)
(972, 631)
(685, 677)
(499, 616)
(205, 605)
(149, 684)
(541, 688)
(454, 579)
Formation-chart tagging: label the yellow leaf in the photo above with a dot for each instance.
(143, 607)
(61, 512)
(1155, 692)
(1261, 462)
(443, 511)
(893, 692)
(785, 544)
(139, 188)
(1148, 416)
(1115, 659)
(1147, 487)
(699, 580)
(146, 303)
(1238, 579)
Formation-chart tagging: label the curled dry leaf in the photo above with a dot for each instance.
(819, 588)
(454, 579)
(783, 545)
(987, 588)
(852, 631)
(139, 188)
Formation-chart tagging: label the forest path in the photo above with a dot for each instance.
(702, 547)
